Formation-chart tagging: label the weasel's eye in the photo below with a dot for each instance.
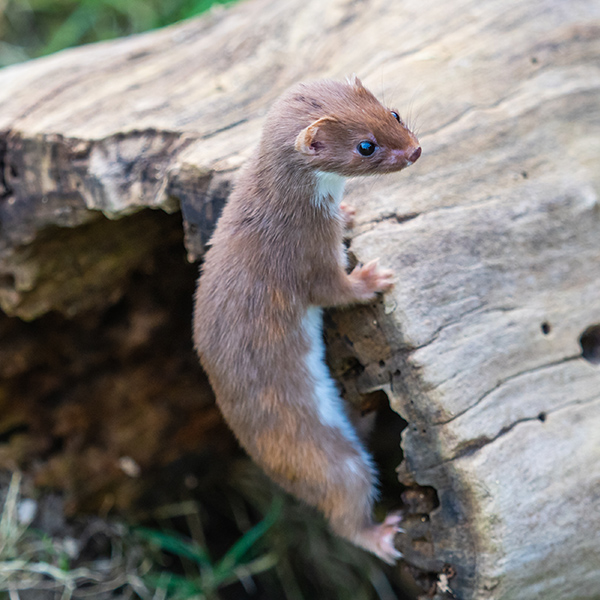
(366, 148)
(396, 116)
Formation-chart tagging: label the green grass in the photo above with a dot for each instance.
(204, 576)
(191, 552)
(32, 28)
(30, 560)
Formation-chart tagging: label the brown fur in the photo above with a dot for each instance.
(274, 253)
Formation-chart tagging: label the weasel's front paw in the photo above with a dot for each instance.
(370, 279)
(348, 214)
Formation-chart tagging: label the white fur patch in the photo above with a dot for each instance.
(354, 466)
(327, 398)
(329, 191)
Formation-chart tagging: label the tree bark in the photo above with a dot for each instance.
(489, 345)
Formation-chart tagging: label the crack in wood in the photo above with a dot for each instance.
(504, 381)
(469, 447)
(5, 188)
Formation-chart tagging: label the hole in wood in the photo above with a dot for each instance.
(373, 401)
(120, 378)
(546, 328)
(590, 344)
(7, 281)
(5, 436)
(420, 500)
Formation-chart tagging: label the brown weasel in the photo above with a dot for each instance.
(276, 258)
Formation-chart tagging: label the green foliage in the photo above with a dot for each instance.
(207, 576)
(29, 560)
(31, 28)
(288, 554)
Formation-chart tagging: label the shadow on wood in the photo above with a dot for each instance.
(487, 346)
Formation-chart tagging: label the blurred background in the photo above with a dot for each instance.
(32, 28)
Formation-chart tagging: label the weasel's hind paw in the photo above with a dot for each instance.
(387, 533)
(379, 539)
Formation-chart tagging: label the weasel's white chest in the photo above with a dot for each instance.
(329, 191)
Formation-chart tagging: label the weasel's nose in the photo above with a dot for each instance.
(415, 154)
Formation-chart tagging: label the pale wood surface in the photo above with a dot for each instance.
(493, 233)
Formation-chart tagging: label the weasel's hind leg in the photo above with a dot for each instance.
(333, 474)
(351, 517)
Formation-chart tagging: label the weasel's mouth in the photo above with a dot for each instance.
(401, 159)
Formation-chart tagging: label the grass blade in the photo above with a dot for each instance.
(234, 555)
(176, 544)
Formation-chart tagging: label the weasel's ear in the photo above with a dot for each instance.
(355, 82)
(306, 142)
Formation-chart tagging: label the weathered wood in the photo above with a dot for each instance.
(494, 234)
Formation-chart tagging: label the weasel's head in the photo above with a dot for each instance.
(350, 131)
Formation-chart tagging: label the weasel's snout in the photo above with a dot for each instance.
(414, 155)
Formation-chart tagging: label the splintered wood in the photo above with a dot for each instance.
(483, 346)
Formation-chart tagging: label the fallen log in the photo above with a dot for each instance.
(489, 345)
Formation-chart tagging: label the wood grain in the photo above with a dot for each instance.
(494, 234)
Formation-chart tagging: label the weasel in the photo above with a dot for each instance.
(276, 258)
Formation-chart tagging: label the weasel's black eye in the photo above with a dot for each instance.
(396, 116)
(366, 148)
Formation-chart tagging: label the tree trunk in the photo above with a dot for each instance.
(489, 345)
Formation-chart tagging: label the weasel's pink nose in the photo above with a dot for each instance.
(415, 154)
